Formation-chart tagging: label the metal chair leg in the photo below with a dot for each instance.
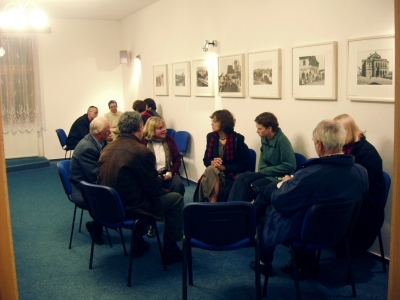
(184, 167)
(72, 228)
(382, 253)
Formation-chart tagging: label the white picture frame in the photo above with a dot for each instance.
(231, 75)
(181, 78)
(370, 69)
(160, 80)
(314, 74)
(265, 74)
(203, 78)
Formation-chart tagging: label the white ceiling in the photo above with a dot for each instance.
(87, 9)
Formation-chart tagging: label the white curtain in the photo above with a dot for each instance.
(19, 84)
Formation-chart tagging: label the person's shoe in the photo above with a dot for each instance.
(288, 268)
(264, 269)
(307, 271)
(150, 232)
(96, 238)
(173, 256)
(142, 246)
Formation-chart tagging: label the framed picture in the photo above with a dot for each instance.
(231, 80)
(265, 74)
(315, 71)
(370, 69)
(203, 83)
(181, 78)
(160, 80)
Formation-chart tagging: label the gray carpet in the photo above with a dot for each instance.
(47, 269)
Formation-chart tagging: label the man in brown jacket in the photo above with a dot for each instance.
(129, 167)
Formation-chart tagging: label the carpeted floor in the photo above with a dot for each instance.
(47, 269)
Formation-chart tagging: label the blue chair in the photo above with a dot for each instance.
(324, 225)
(171, 132)
(63, 171)
(106, 208)
(62, 137)
(182, 139)
(388, 181)
(221, 226)
(300, 160)
(252, 161)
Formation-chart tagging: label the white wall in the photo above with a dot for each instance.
(79, 67)
(174, 31)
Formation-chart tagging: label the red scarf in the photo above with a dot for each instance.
(229, 146)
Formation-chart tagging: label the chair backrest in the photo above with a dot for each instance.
(300, 160)
(327, 223)
(220, 226)
(62, 137)
(63, 172)
(171, 132)
(252, 161)
(105, 205)
(182, 140)
(388, 181)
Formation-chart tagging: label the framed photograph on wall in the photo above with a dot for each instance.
(203, 83)
(231, 77)
(315, 71)
(370, 69)
(181, 78)
(265, 74)
(160, 80)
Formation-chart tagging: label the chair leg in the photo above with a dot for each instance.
(91, 254)
(184, 167)
(131, 257)
(350, 270)
(72, 228)
(108, 236)
(159, 245)
(80, 222)
(184, 271)
(190, 265)
(295, 269)
(258, 276)
(382, 253)
(122, 241)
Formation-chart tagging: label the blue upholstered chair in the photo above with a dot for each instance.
(62, 137)
(300, 160)
(171, 132)
(182, 139)
(221, 226)
(252, 161)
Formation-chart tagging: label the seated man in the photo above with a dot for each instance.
(113, 117)
(277, 160)
(330, 177)
(84, 165)
(128, 166)
(80, 127)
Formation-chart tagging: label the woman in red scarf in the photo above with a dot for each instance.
(226, 155)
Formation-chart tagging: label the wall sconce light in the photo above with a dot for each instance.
(206, 43)
(138, 57)
(124, 56)
(23, 17)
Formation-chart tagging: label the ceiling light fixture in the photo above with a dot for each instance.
(214, 43)
(17, 17)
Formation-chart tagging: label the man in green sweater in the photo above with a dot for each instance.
(277, 160)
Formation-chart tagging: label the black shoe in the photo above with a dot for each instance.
(264, 269)
(288, 268)
(173, 256)
(150, 232)
(96, 238)
(142, 246)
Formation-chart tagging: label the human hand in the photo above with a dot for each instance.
(168, 176)
(286, 178)
(217, 162)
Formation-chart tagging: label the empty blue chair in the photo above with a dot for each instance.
(182, 139)
(171, 132)
(300, 160)
(62, 137)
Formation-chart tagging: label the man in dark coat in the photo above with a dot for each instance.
(128, 166)
(332, 177)
(80, 127)
(84, 165)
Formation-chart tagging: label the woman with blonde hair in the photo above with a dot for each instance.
(168, 157)
(371, 215)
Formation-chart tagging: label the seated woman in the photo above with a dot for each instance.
(168, 157)
(226, 155)
(371, 216)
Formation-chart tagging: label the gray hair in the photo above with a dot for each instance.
(98, 125)
(331, 134)
(130, 122)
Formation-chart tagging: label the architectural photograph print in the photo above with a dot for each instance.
(181, 78)
(315, 71)
(370, 69)
(203, 83)
(231, 76)
(265, 74)
(160, 80)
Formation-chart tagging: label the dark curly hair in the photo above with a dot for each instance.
(226, 119)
